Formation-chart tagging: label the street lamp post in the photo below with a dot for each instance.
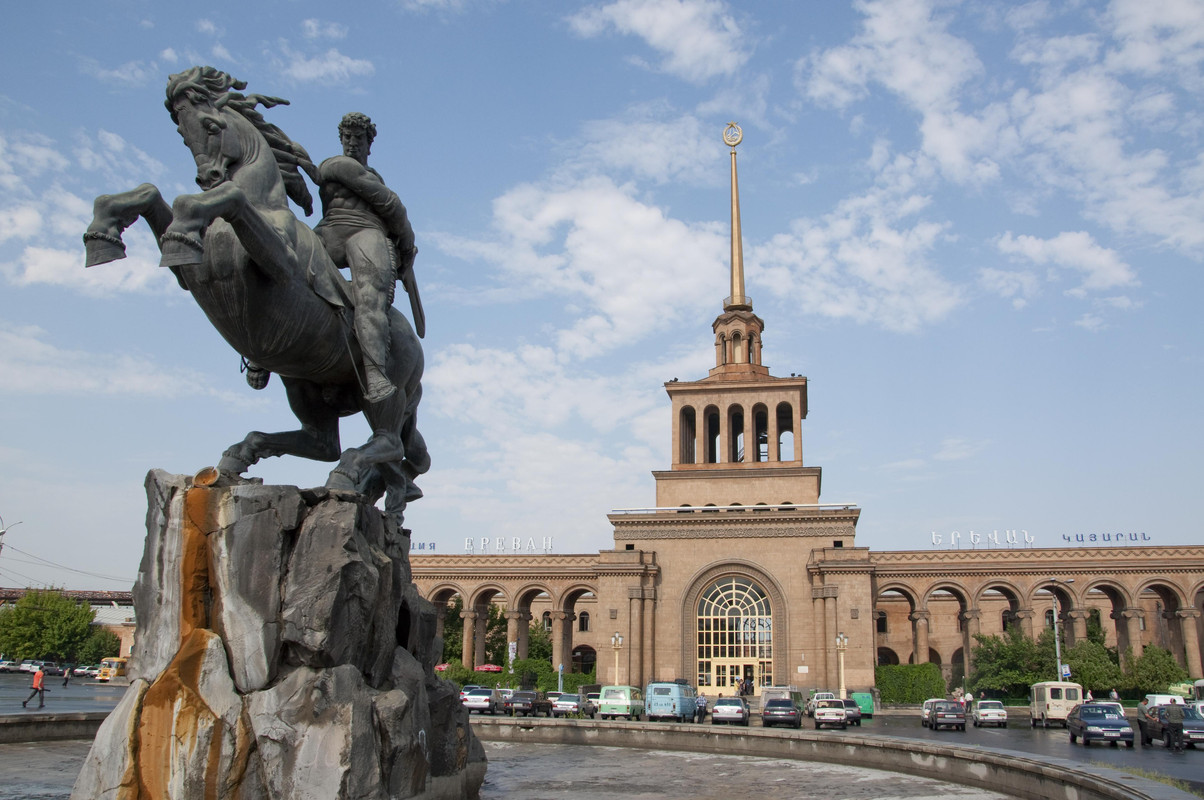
(616, 642)
(842, 644)
(1057, 636)
(4, 530)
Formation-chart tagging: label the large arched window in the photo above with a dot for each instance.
(735, 634)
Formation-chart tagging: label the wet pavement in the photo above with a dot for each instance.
(47, 770)
(78, 695)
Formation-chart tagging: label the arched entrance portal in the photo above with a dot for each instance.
(734, 635)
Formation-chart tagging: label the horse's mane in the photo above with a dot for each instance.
(290, 156)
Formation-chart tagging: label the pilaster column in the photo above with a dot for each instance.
(970, 628)
(1128, 632)
(635, 635)
(772, 428)
(650, 632)
(558, 636)
(830, 631)
(468, 642)
(1191, 640)
(512, 620)
(919, 626)
(524, 634)
(440, 618)
(1078, 626)
(1025, 616)
(724, 456)
(750, 436)
(479, 635)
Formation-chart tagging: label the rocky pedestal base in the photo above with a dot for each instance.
(281, 652)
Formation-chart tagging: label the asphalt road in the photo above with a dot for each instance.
(78, 695)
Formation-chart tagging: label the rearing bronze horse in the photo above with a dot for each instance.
(264, 280)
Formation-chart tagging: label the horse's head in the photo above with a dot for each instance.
(196, 99)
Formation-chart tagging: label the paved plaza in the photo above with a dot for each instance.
(47, 770)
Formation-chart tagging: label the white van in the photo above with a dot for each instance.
(1051, 701)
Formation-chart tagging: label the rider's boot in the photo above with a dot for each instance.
(379, 387)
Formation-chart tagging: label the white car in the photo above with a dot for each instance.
(484, 701)
(990, 712)
(730, 710)
(830, 712)
(9, 666)
(815, 700)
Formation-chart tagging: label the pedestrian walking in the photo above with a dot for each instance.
(1090, 696)
(39, 689)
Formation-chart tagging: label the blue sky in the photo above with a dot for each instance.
(976, 227)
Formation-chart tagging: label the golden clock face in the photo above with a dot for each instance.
(732, 135)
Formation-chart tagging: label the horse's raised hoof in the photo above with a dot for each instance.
(180, 249)
(101, 248)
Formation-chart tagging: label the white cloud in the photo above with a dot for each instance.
(905, 47)
(633, 268)
(698, 39)
(331, 67)
(320, 29)
(957, 449)
(1019, 287)
(1101, 268)
(1158, 36)
(208, 26)
(674, 150)
(30, 365)
(867, 260)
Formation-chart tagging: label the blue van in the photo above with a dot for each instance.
(675, 701)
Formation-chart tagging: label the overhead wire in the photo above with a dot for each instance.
(48, 562)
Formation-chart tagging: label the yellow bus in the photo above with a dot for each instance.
(111, 668)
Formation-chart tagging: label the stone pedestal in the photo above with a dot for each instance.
(281, 652)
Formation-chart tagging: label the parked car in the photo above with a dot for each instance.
(781, 712)
(675, 701)
(814, 700)
(852, 711)
(29, 665)
(990, 712)
(830, 712)
(926, 710)
(1098, 722)
(573, 704)
(485, 701)
(1153, 726)
(731, 711)
(86, 670)
(51, 668)
(621, 701)
(947, 714)
(466, 688)
(526, 703)
(9, 666)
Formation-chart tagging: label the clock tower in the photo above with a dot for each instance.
(737, 432)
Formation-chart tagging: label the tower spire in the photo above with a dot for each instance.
(738, 301)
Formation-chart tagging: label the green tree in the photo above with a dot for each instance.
(99, 644)
(1094, 666)
(1009, 664)
(909, 683)
(539, 643)
(1153, 671)
(453, 631)
(45, 624)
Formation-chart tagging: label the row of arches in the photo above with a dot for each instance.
(737, 347)
(736, 434)
(950, 613)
